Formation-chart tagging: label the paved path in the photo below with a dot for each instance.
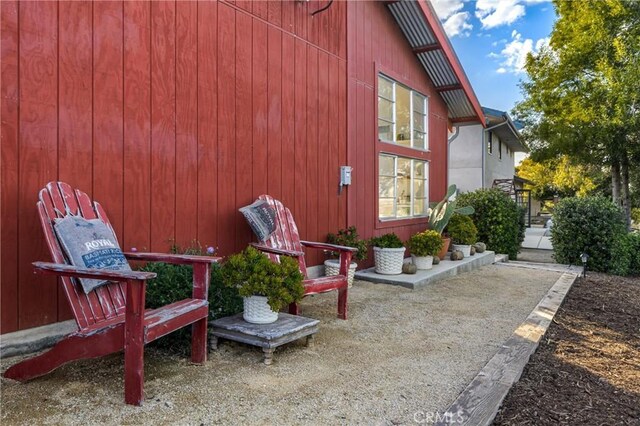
(537, 238)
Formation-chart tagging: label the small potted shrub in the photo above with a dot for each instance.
(266, 286)
(349, 238)
(388, 254)
(463, 233)
(423, 246)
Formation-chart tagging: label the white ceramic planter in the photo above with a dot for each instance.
(388, 260)
(465, 249)
(422, 262)
(332, 267)
(258, 311)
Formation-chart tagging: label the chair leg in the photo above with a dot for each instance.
(294, 309)
(199, 341)
(72, 348)
(342, 304)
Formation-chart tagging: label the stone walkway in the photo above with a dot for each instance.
(537, 238)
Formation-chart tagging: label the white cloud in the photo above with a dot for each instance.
(454, 21)
(458, 24)
(446, 8)
(515, 53)
(495, 13)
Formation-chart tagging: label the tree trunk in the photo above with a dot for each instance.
(626, 198)
(615, 180)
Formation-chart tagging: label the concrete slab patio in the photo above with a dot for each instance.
(537, 237)
(402, 357)
(446, 268)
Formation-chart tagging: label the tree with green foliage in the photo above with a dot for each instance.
(556, 177)
(582, 98)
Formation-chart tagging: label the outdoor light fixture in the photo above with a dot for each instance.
(584, 257)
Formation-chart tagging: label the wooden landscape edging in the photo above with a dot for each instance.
(478, 404)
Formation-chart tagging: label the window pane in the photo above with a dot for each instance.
(385, 207)
(385, 88)
(404, 210)
(403, 116)
(385, 131)
(385, 109)
(419, 140)
(386, 166)
(418, 121)
(418, 170)
(418, 188)
(404, 167)
(386, 187)
(418, 102)
(418, 207)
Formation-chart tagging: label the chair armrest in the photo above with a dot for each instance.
(283, 252)
(101, 274)
(176, 259)
(327, 246)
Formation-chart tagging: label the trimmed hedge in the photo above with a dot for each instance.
(500, 221)
(593, 225)
(174, 283)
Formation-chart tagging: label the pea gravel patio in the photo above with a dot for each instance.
(401, 355)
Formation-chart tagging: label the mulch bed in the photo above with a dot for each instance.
(587, 367)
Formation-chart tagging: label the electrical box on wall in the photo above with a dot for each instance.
(345, 175)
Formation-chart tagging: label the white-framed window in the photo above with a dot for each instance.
(490, 143)
(403, 188)
(402, 115)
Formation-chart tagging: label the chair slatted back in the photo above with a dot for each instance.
(56, 200)
(286, 235)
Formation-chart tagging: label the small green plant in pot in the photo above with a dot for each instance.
(463, 233)
(266, 286)
(345, 237)
(388, 254)
(423, 246)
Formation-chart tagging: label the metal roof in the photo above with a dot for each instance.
(421, 26)
(507, 130)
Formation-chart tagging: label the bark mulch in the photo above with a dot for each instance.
(587, 367)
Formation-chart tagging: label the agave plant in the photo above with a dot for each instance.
(440, 213)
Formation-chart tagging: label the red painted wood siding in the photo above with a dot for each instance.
(376, 43)
(171, 114)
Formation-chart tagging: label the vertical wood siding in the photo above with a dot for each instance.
(171, 114)
(375, 41)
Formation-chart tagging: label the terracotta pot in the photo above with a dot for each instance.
(445, 247)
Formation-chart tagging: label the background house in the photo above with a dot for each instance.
(175, 114)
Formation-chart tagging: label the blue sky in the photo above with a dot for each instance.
(492, 39)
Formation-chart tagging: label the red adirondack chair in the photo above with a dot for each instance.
(286, 241)
(113, 317)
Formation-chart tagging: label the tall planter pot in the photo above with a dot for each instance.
(465, 249)
(258, 311)
(446, 241)
(422, 262)
(388, 261)
(332, 267)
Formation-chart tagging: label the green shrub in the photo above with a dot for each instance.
(635, 216)
(625, 256)
(499, 220)
(593, 225)
(251, 273)
(390, 240)
(427, 243)
(462, 230)
(634, 253)
(349, 238)
(174, 283)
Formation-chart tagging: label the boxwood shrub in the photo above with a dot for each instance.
(500, 221)
(593, 225)
(174, 283)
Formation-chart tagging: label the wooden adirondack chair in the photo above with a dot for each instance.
(113, 317)
(286, 241)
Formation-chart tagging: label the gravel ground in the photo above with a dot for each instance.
(402, 355)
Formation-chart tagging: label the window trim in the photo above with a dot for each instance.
(427, 181)
(399, 150)
(394, 80)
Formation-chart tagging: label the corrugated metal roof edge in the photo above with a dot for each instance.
(438, 31)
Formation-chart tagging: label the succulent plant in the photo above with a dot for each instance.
(440, 213)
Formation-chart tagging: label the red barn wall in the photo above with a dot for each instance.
(376, 43)
(171, 114)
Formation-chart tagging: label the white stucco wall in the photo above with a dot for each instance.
(465, 158)
(496, 168)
